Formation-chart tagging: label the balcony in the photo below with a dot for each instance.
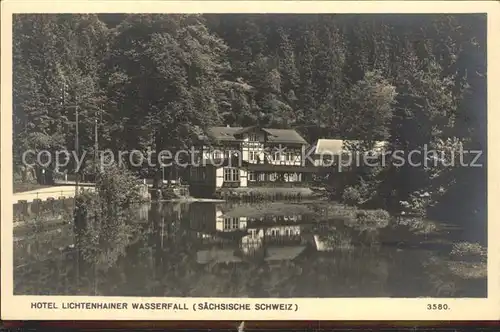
(276, 184)
(231, 184)
(282, 168)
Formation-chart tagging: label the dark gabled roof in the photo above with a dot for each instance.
(285, 136)
(245, 130)
(223, 133)
(275, 135)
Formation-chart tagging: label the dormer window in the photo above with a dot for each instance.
(253, 137)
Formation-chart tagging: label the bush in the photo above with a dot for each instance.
(373, 218)
(351, 196)
(116, 191)
(118, 185)
(334, 239)
(18, 178)
(101, 217)
(373, 215)
(468, 249)
(58, 175)
(421, 225)
(168, 193)
(418, 203)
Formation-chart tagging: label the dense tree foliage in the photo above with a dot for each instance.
(156, 81)
(57, 61)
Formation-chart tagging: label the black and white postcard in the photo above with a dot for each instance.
(250, 160)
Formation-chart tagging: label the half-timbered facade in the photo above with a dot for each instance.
(250, 157)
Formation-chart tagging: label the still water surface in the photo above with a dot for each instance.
(247, 250)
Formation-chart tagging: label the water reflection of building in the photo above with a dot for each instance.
(202, 217)
(143, 212)
(231, 238)
(231, 157)
(225, 223)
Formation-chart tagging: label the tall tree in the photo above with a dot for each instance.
(57, 59)
(163, 80)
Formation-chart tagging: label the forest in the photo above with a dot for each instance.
(160, 80)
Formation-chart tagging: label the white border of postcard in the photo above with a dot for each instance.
(18, 307)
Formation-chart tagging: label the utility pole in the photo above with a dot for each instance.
(76, 148)
(63, 102)
(78, 243)
(96, 147)
(96, 213)
(76, 133)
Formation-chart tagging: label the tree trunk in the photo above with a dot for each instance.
(157, 179)
(49, 177)
(40, 177)
(168, 174)
(157, 162)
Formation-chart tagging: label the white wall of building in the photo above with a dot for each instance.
(219, 177)
(243, 178)
(253, 146)
(289, 156)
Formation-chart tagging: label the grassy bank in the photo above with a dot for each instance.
(263, 194)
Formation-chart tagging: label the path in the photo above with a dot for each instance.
(44, 193)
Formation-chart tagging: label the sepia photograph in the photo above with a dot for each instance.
(247, 156)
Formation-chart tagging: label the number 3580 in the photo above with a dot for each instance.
(437, 307)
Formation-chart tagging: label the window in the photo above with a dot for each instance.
(291, 177)
(262, 177)
(217, 154)
(227, 223)
(289, 156)
(251, 176)
(275, 156)
(253, 156)
(231, 223)
(253, 137)
(231, 174)
(273, 177)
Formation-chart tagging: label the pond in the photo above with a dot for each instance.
(301, 249)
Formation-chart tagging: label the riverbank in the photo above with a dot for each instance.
(191, 200)
(345, 240)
